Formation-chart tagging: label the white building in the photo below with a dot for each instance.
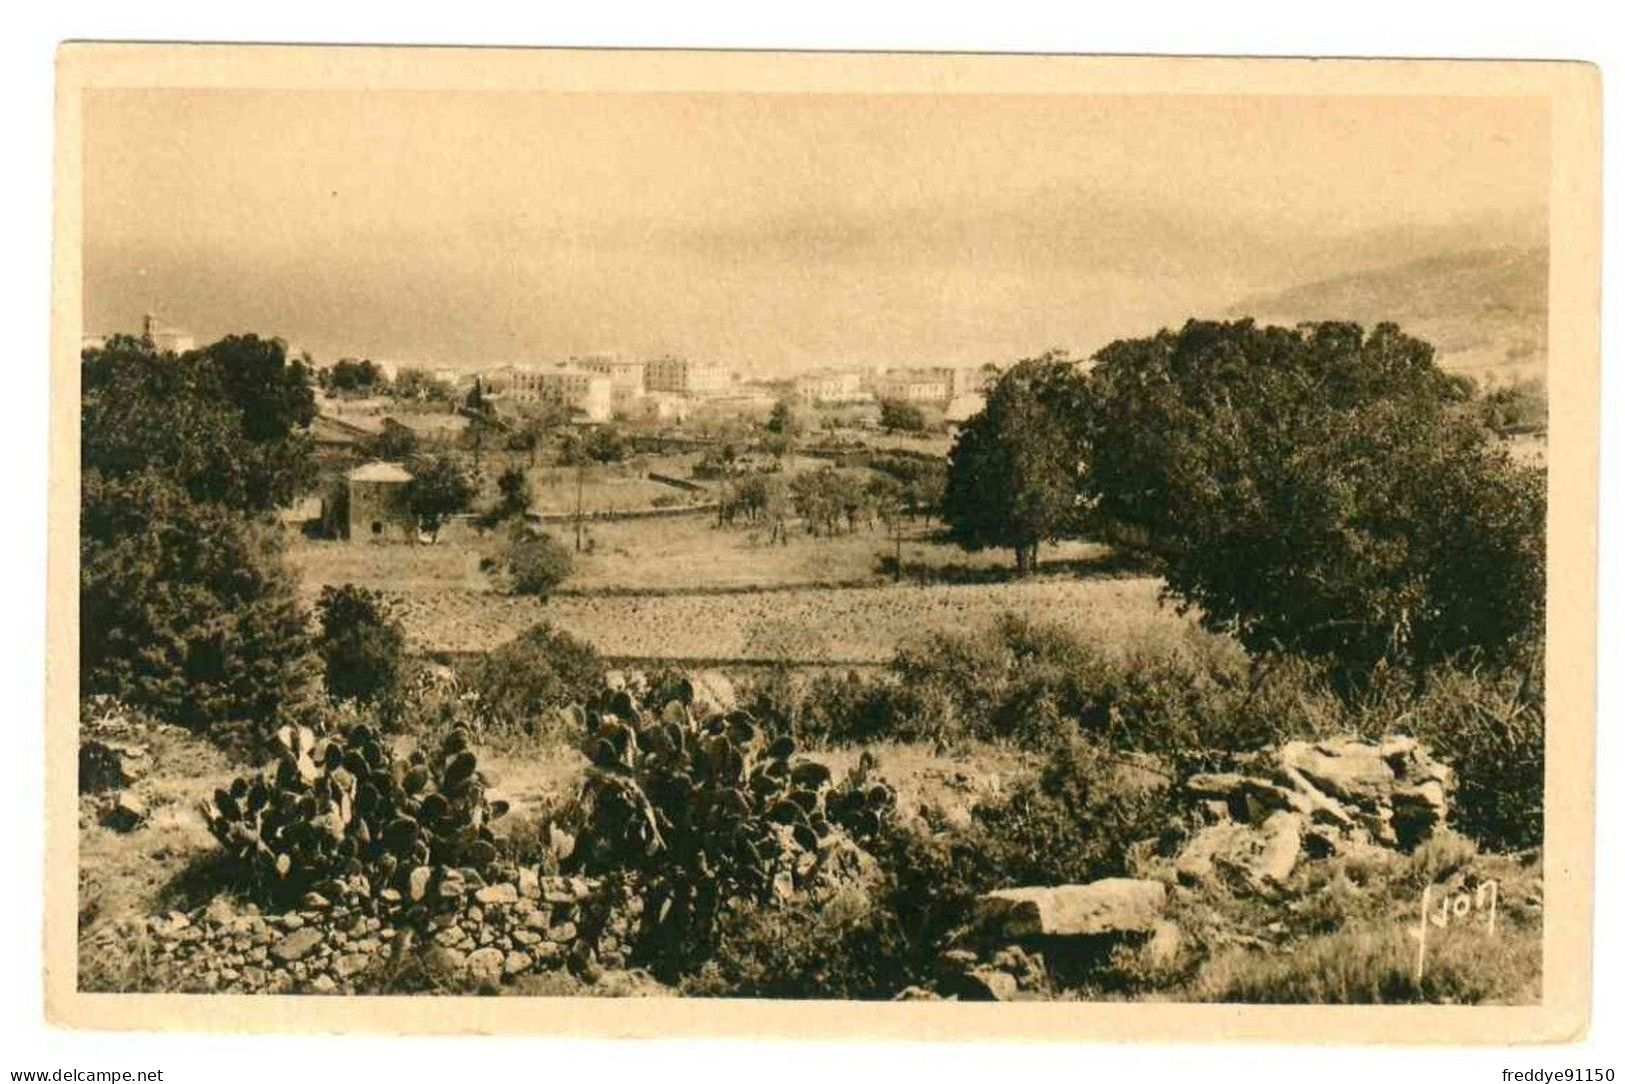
(580, 390)
(919, 386)
(829, 387)
(625, 377)
(680, 376)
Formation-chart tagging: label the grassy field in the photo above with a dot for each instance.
(802, 624)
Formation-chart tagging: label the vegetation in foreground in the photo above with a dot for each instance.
(1346, 592)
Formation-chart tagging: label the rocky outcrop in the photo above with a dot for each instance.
(1116, 905)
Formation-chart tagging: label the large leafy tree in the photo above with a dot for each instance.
(1015, 472)
(1319, 490)
(185, 607)
(440, 488)
(225, 422)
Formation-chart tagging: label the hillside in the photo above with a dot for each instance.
(1485, 309)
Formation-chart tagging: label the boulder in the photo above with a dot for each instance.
(1251, 858)
(986, 984)
(1419, 810)
(1116, 905)
(1349, 770)
(501, 894)
(127, 813)
(297, 945)
(485, 965)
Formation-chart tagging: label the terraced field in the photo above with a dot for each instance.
(856, 625)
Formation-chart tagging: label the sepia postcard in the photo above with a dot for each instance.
(678, 543)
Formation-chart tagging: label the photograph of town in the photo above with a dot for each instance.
(842, 546)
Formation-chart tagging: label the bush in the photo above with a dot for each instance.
(187, 612)
(848, 948)
(705, 812)
(338, 816)
(362, 643)
(521, 684)
(537, 563)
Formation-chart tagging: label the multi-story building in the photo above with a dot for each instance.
(829, 387)
(915, 385)
(625, 377)
(680, 376)
(569, 388)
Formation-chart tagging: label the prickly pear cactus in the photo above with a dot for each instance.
(701, 810)
(340, 814)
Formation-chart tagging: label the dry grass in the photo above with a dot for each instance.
(858, 625)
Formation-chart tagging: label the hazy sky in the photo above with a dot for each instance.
(765, 231)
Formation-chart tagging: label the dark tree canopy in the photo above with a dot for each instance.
(1014, 474)
(440, 488)
(395, 442)
(1318, 490)
(225, 422)
(897, 416)
(362, 644)
(185, 609)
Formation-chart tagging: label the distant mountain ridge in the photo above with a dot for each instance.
(1484, 309)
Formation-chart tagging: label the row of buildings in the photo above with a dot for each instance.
(597, 386)
(937, 386)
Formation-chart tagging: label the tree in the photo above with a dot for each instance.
(186, 611)
(362, 644)
(537, 563)
(521, 682)
(1015, 472)
(513, 485)
(783, 420)
(439, 489)
(225, 423)
(395, 442)
(350, 375)
(1317, 490)
(897, 416)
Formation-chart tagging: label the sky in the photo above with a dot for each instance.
(771, 233)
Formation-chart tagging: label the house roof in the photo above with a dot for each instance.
(380, 472)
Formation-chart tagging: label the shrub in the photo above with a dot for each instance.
(704, 812)
(362, 643)
(1490, 727)
(187, 612)
(848, 948)
(522, 683)
(537, 563)
(339, 816)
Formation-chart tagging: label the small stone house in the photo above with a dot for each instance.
(376, 499)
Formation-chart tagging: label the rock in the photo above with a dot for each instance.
(1161, 950)
(292, 920)
(347, 966)
(444, 963)
(323, 984)
(417, 882)
(917, 993)
(517, 963)
(497, 894)
(101, 768)
(563, 933)
(315, 901)
(530, 883)
(1195, 864)
(986, 984)
(1419, 810)
(1321, 807)
(1283, 842)
(1352, 771)
(297, 945)
(485, 965)
(1111, 906)
(127, 813)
